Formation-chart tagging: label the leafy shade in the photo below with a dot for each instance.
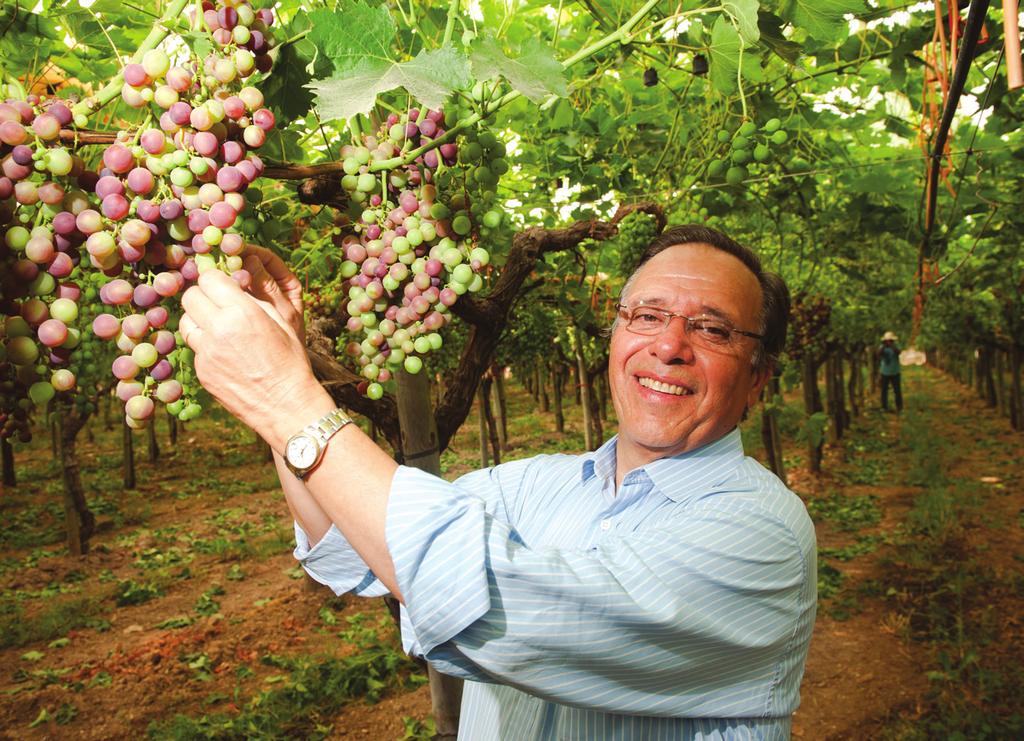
(535, 73)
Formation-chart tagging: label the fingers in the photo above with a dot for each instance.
(190, 332)
(279, 279)
(198, 306)
(220, 289)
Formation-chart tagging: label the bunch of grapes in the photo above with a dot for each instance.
(167, 204)
(748, 146)
(172, 201)
(38, 254)
(412, 247)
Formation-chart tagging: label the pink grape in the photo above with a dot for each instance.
(135, 75)
(119, 291)
(169, 391)
(46, 126)
(179, 79)
(264, 118)
(115, 206)
(232, 244)
(52, 332)
(139, 407)
(89, 221)
(135, 326)
(206, 143)
(118, 158)
(234, 107)
(165, 284)
(157, 316)
(148, 211)
(171, 210)
(100, 245)
(247, 170)
(140, 180)
(153, 141)
(127, 389)
(13, 133)
(222, 215)
(64, 223)
(106, 326)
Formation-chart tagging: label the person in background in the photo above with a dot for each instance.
(889, 369)
(663, 586)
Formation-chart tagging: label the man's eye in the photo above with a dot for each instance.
(712, 330)
(646, 317)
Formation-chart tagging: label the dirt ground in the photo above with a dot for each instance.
(862, 671)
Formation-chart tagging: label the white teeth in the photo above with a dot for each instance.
(665, 388)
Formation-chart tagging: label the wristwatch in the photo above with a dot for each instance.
(305, 448)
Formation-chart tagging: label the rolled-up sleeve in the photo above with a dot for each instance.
(333, 562)
(655, 619)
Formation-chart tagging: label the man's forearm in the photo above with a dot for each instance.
(349, 487)
(303, 507)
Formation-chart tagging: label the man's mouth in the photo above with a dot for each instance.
(662, 387)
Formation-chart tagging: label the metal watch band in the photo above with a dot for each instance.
(328, 424)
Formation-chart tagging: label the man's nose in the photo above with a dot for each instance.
(673, 343)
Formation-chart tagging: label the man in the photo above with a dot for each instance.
(889, 368)
(661, 587)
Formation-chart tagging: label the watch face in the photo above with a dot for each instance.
(301, 451)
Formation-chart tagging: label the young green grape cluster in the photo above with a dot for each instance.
(412, 248)
(38, 254)
(749, 147)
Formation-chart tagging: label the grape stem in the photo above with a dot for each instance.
(449, 26)
(113, 88)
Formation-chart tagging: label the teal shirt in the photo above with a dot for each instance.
(890, 360)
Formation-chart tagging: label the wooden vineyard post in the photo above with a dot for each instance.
(7, 457)
(128, 446)
(420, 450)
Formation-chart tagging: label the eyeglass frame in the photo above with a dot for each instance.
(668, 316)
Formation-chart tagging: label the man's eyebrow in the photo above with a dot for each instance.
(704, 310)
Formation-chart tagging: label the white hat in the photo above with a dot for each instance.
(889, 336)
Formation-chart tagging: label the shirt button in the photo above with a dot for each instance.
(606, 524)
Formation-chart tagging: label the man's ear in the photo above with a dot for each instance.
(759, 379)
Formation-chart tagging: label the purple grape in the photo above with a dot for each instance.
(61, 266)
(230, 179)
(180, 113)
(147, 211)
(189, 271)
(64, 223)
(198, 219)
(144, 296)
(162, 370)
(227, 18)
(22, 154)
(171, 209)
(157, 317)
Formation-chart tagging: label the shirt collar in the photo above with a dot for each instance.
(680, 476)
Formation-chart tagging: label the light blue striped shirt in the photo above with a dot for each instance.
(680, 607)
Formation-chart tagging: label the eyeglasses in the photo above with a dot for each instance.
(708, 330)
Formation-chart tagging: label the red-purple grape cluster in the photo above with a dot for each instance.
(38, 300)
(412, 249)
(165, 205)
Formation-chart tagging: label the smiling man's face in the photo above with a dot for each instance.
(670, 394)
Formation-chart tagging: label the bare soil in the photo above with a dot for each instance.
(123, 672)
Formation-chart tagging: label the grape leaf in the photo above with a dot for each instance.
(429, 78)
(822, 19)
(535, 73)
(770, 27)
(353, 35)
(745, 13)
(725, 53)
